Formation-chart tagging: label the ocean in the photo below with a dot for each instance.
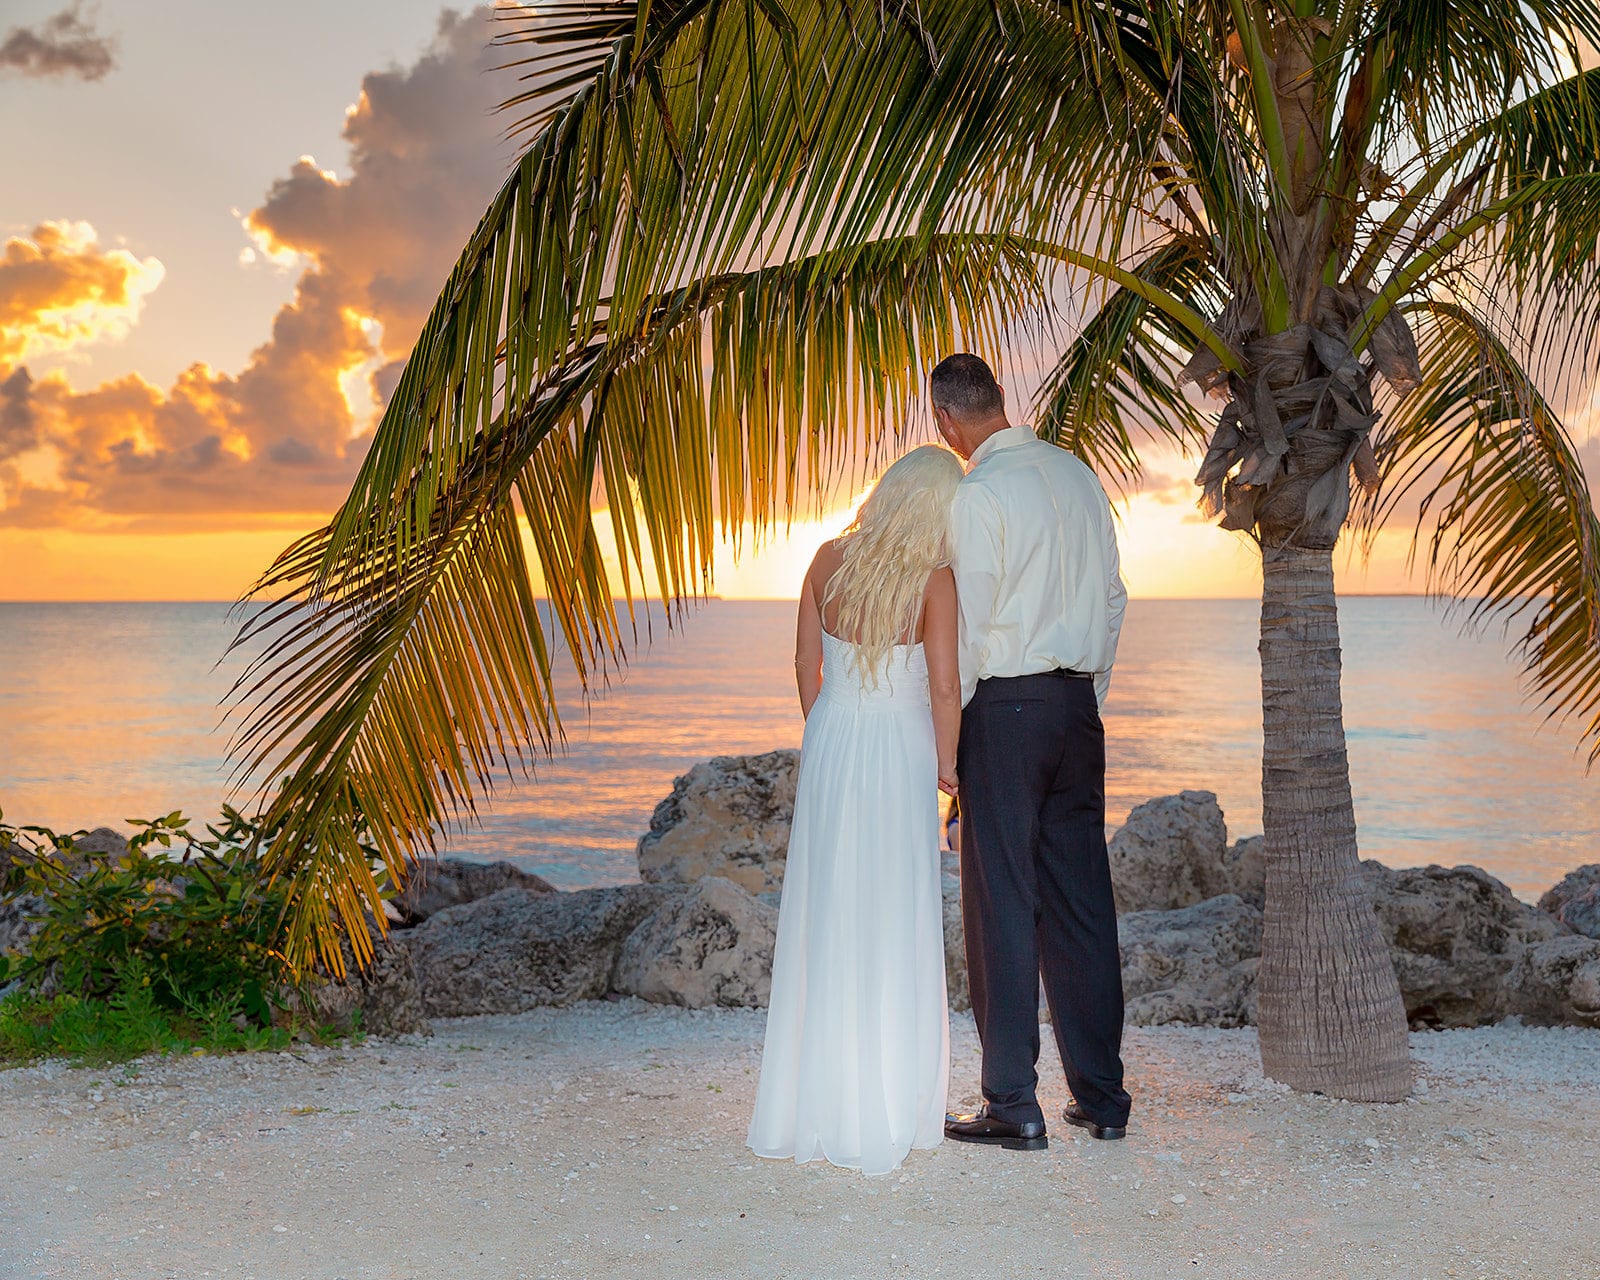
(110, 712)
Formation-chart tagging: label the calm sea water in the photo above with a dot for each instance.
(109, 711)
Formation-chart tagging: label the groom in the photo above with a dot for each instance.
(1041, 602)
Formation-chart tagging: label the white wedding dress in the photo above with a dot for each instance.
(856, 1062)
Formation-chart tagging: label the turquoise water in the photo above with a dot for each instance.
(110, 711)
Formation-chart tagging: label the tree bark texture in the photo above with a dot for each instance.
(1329, 1007)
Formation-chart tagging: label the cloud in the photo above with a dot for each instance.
(62, 45)
(286, 432)
(59, 288)
(425, 157)
(18, 428)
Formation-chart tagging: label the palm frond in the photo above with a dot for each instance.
(1448, 64)
(1207, 144)
(1548, 257)
(1116, 383)
(404, 683)
(1504, 508)
(557, 46)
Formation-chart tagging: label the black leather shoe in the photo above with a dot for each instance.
(980, 1126)
(1075, 1115)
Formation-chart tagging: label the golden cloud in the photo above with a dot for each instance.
(285, 433)
(60, 288)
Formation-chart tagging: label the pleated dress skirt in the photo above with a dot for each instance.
(855, 1065)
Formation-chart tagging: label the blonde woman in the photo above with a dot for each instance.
(856, 1060)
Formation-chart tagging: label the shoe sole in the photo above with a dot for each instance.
(1105, 1133)
(998, 1140)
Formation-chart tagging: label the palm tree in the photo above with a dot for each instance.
(740, 232)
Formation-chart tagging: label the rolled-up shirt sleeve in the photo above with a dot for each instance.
(977, 552)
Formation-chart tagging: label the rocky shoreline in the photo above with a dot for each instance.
(469, 938)
(698, 931)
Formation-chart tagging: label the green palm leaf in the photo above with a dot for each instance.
(1448, 65)
(1504, 506)
(1116, 383)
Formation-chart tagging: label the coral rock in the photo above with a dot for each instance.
(1575, 901)
(1196, 964)
(1173, 852)
(710, 946)
(726, 817)
(1456, 934)
(435, 884)
(518, 949)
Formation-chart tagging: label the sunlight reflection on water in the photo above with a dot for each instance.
(110, 712)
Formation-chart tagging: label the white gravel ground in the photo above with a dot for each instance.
(607, 1140)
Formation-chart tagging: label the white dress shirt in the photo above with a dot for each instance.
(1036, 566)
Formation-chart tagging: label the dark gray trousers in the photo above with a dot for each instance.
(1036, 892)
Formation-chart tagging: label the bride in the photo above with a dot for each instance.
(856, 1061)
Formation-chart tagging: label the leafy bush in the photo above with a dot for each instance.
(196, 912)
(177, 942)
(131, 1022)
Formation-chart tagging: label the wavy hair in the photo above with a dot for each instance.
(899, 536)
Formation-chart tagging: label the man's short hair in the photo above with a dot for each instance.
(963, 385)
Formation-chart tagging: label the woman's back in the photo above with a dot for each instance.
(829, 560)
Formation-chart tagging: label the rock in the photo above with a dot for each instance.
(437, 883)
(710, 946)
(103, 843)
(1196, 964)
(518, 949)
(17, 926)
(726, 817)
(1557, 982)
(1456, 934)
(386, 993)
(1244, 869)
(1575, 901)
(1173, 852)
(391, 995)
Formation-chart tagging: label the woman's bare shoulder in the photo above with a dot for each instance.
(830, 555)
(941, 582)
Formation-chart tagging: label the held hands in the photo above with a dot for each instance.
(948, 783)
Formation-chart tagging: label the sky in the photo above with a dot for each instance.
(219, 237)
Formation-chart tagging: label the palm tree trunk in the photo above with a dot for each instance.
(1329, 1007)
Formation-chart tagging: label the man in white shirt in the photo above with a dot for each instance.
(1041, 601)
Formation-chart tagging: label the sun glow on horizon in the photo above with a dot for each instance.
(1168, 552)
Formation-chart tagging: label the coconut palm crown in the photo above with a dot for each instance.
(742, 230)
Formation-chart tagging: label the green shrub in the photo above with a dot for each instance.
(175, 944)
(131, 1022)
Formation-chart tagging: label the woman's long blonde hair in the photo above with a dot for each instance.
(899, 537)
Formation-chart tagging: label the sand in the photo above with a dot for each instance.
(607, 1140)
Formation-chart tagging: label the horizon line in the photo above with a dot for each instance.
(718, 599)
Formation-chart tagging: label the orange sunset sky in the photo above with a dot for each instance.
(222, 229)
